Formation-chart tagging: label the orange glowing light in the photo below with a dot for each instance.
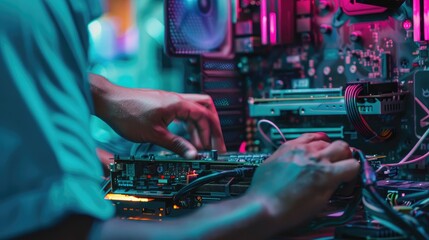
(123, 197)
(140, 219)
(176, 207)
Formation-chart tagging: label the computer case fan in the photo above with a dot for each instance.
(195, 27)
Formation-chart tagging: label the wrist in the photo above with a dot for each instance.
(102, 91)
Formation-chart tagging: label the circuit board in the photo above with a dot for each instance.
(297, 64)
(162, 175)
(147, 186)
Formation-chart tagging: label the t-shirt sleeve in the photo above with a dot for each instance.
(95, 8)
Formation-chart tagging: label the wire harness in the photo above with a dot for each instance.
(357, 120)
(238, 172)
(379, 210)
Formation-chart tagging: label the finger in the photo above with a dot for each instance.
(316, 146)
(202, 99)
(346, 170)
(219, 144)
(207, 123)
(309, 150)
(195, 137)
(198, 115)
(175, 144)
(217, 140)
(336, 151)
(203, 131)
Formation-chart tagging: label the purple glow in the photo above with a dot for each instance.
(264, 22)
(421, 33)
(273, 28)
(426, 20)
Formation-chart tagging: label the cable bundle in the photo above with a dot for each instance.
(357, 120)
(379, 210)
(238, 172)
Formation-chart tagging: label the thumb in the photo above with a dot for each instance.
(176, 144)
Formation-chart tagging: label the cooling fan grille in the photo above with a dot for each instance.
(195, 26)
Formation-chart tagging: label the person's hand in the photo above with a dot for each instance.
(144, 115)
(296, 182)
(197, 134)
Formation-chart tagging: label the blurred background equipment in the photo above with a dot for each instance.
(127, 47)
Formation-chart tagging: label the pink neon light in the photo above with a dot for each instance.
(237, 9)
(264, 22)
(416, 19)
(242, 148)
(426, 19)
(407, 24)
(273, 28)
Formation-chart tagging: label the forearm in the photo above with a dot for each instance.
(101, 91)
(240, 218)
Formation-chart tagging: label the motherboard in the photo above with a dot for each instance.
(354, 69)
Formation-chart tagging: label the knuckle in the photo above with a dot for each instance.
(322, 134)
(309, 136)
(342, 144)
(208, 98)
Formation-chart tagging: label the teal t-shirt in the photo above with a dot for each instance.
(48, 165)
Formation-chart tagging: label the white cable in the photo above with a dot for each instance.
(265, 136)
(424, 136)
(407, 162)
(404, 160)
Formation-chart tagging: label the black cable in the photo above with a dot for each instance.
(347, 215)
(238, 172)
(370, 193)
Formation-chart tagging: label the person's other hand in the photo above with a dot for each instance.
(143, 116)
(296, 182)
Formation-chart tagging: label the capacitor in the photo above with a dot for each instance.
(326, 70)
(311, 72)
(340, 69)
